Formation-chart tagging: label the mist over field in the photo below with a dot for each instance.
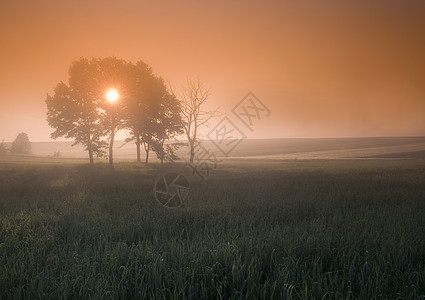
(295, 148)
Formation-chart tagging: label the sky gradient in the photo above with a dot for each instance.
(323, 68)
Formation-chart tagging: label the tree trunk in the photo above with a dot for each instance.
(147, 147)
(111, 148)
(138, 149)
(91, 156)
(90, 150)
(162, 152)
(192, 151)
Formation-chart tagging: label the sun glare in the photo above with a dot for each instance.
(112, 95)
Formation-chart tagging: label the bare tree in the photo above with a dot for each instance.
(193, 96)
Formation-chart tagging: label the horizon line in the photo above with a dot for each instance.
(267, 138)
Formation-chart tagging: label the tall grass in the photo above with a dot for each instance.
(308, 231)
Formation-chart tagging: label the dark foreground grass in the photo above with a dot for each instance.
(305, 230)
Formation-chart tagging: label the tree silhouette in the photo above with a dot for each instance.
(116, 74)
(193, 97)
(73, 110)
(81, 110)
(3, 147)
(152, 113)
(141, 109)
(21, 144)
(169, 123)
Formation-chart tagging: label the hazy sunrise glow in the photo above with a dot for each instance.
(212, 149)
(324, 68)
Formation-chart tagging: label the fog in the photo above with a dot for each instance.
(324, 69)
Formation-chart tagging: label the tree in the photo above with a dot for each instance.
(152, 112)
(193, 97)
(3, 147)
(73, 110)
(57, 154)
(141, 109)
(21, 145)
(107, 95)
(80, 110)
(115, 81)
(169, 123)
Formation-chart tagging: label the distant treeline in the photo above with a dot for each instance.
(21, 145)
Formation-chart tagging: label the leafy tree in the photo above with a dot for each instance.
(116, 74)
(3, 147)
(169, 123)
(81, 110)
(73, 110)
(153, 114)
(140, 109)
(21, 145)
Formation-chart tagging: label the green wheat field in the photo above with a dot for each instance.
(256, 228)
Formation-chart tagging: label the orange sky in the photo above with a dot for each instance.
(324, 68)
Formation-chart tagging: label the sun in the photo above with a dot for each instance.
(112, 95)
